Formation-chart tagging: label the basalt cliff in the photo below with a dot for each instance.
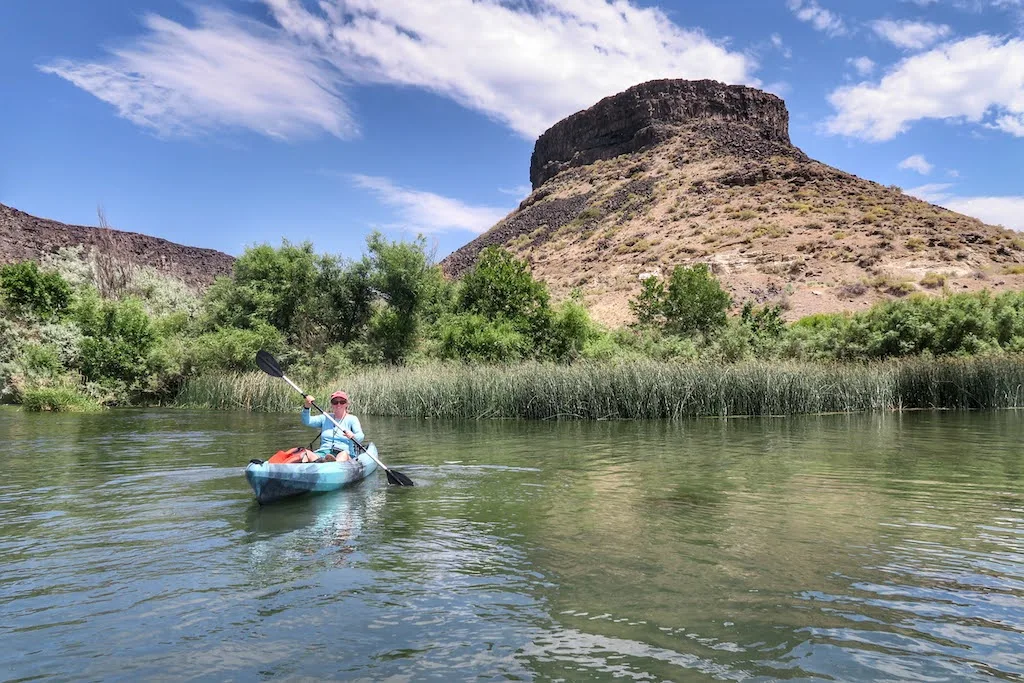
(675, 172)
(26, 237)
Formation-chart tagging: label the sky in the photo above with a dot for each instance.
(230, 123)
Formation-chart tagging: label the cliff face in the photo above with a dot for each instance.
(24, 237)
(648, 114)
(674, 173)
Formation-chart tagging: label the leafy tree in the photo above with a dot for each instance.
(648, 304)
(409, 285)
(117, 338)
(471, 336)
(273, 286)
(694, 301)
(501, 286)
(344, 300)
(30, 291)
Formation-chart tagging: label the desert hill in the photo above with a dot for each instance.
(23, 237)
(675, 172)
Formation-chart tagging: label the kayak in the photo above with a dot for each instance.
(274, 481)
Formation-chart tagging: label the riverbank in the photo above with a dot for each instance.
(639, 390)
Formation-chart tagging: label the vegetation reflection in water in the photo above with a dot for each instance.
(852, 547)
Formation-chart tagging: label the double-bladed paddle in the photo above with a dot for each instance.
(269, 365)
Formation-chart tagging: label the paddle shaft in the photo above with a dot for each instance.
(336, 423)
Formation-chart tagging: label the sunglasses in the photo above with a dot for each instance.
(338, 401)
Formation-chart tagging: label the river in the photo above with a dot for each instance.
(839, 547)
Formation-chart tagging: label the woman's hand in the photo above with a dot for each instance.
(309, 401)
(347, 434)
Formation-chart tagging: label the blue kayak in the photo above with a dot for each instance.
(274, 481)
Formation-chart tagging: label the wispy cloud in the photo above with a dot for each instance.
(1007, 211)
(227, 72)
(781, 46)
(916, 162)
(427, 212)
(978, 79)
(910, 35)
(817, 16)
(524, 64)
(863, 65)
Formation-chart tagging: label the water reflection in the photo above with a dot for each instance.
(834, 547)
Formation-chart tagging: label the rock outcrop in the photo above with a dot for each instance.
(671, 173)
(24, 237)
(648, 114)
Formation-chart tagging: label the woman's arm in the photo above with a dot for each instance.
(312, 420)
(356, 429)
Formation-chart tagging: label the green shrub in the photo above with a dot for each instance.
(472, 336)
(58, 399)
(692, 303)
(234, 349)
(117, 339)
(28, 291)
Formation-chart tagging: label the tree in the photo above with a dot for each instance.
(29, 291)
(692, 303)
(274, 286)
(409, 285)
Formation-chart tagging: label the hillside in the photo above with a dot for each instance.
(23, 237)
(678, 172)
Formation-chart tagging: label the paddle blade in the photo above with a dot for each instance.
(268, 364)
(398, 479)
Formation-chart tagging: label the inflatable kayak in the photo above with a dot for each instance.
(272, 481)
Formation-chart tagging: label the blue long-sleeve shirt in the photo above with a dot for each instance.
(331, 437)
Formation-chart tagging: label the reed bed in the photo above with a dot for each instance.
(639, 390)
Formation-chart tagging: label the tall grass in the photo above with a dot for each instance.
(639, 390)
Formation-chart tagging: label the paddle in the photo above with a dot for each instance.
(268, 364)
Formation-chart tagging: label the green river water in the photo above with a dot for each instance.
(866, 547)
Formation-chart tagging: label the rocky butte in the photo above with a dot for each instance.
(676, 172)
(25, 237)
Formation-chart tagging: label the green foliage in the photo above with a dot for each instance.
(474, 337)
(66, 399)
(117, 338)
(647, 306)
(233, 349)
(344, 300)
(271, 286)
(693, 302)
(501, 286)
(572, 330)
(412, 288)
(28, 291)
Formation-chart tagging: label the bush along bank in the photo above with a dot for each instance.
(392, 328)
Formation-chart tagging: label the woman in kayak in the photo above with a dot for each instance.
(334, 443)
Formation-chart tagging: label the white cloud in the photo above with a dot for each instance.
(1007, 211)
(781, 46)
(519, 191)
(910, 35)
(863, 65)
(968, 80)
(527, 69)
(819, 17)
(916, 162)
(225, 72)
(524, 64)
(931, 192)
(428, 212)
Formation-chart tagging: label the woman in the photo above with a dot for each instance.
(335, 443)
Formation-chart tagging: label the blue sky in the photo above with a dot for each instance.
(228, 123)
